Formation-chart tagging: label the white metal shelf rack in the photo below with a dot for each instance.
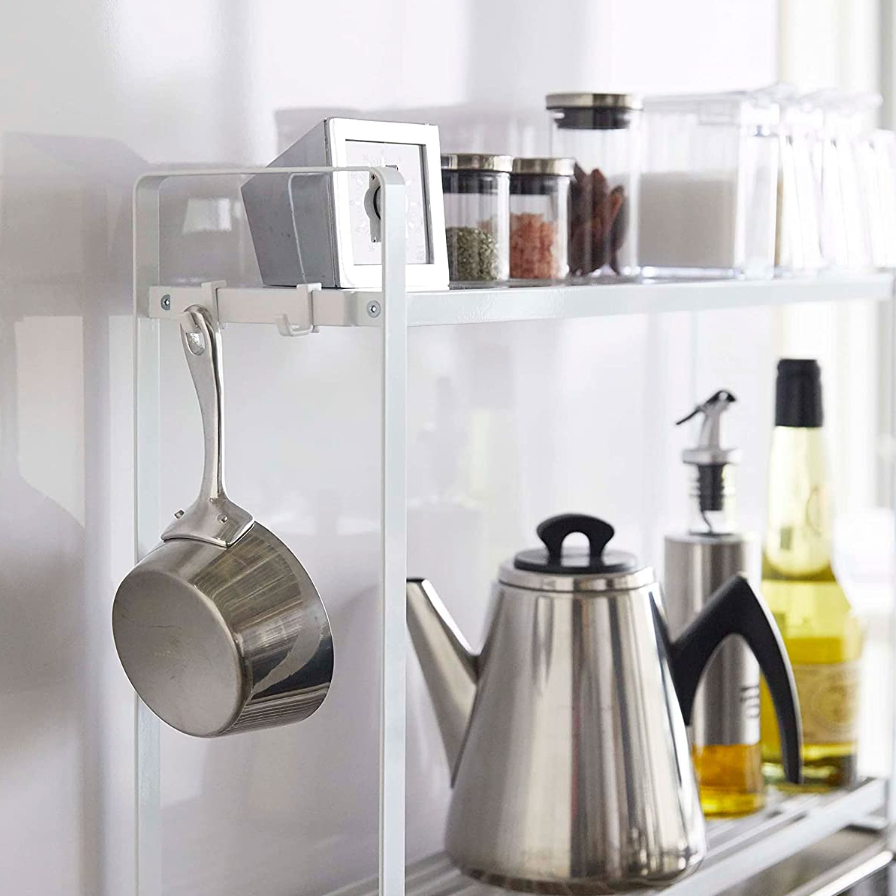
(305, 307)
(738, 849)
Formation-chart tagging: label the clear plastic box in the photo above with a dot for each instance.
(848, 189)
(798, 244)
(709, 185)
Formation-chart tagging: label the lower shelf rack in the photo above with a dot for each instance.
(738, 848)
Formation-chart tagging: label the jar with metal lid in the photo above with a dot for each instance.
(476, 190)
(539, 218)
(602, 132)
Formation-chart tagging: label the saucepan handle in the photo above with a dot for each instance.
(735, 609)
(201, 340)
(212, 517)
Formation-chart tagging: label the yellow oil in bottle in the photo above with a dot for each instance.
(820, 630)
(730, 779)
(824, 641)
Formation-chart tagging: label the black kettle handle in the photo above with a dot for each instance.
(735, 609)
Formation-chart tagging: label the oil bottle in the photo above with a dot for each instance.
(725, 725)
(822, 634)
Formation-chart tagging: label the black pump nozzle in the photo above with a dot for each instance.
(708, 455)
(712, 409)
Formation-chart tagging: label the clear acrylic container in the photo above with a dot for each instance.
(602, 132)
(539, 218)
(798, 225)
(709, 185)
(476, 189)
(848, 190)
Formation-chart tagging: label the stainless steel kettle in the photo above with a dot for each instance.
(566, 737)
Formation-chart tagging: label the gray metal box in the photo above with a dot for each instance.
(316, 228)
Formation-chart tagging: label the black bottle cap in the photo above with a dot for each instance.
(798, 394)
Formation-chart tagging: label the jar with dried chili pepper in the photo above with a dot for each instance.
(539, 218)
(602, 132)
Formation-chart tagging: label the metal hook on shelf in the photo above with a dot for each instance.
(292, 318)
(209, 293)
(286, 328)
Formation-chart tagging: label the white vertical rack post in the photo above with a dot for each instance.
(889, 388)
(147, 523)
(293, 312)
(394, 535)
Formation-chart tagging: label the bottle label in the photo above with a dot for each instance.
(829, 702)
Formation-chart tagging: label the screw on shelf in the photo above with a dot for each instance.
(166, 302)
(373, 309)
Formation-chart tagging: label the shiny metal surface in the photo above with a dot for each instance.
(467, 161)
(630, 101)
(212, 517)
(325, 229)
(559, 167)
(837, 865)
(449, 665)
(218, 640)
(219, 628)
(726, 710)
(586, 583)
(575, 773)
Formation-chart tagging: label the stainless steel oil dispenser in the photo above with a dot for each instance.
(725, 724)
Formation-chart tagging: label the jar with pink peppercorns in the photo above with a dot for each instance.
(539, 218)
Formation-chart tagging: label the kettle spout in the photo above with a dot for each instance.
(449, 666)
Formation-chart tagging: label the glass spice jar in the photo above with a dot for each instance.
(476, 189)
(602, 132)
(539, 218)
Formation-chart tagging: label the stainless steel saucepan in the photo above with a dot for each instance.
(219, 628)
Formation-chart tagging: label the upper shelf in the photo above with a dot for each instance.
(302, 307)
(466, 306)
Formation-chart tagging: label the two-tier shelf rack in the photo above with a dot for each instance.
(738, 849)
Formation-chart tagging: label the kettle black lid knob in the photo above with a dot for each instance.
(553, 532)
(553, 559)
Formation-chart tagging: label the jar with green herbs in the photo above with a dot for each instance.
(476, 189)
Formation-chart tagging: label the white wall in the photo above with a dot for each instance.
(508, 424)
